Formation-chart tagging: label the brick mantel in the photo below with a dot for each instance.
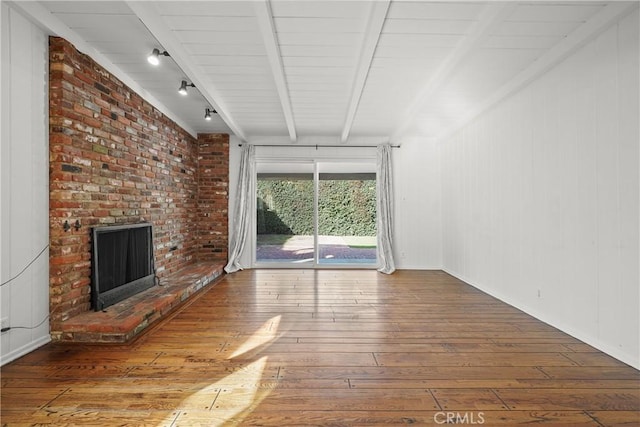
(115, 159)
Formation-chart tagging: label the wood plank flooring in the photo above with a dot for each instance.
(328, 347)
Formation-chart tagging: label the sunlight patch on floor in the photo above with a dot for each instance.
(228, 404)
(266, 333)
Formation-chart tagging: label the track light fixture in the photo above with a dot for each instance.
(208, 112)
(154, 58)
(183, 87)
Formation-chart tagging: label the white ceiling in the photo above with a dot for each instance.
(346, 71)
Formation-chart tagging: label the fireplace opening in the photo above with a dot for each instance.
(122, 263)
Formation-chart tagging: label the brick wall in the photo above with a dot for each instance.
(115, 159)
(213, 183)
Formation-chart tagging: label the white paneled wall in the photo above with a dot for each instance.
(417, 227)
(24, 157)
(540, 196)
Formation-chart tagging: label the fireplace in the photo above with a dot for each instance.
(122, 263)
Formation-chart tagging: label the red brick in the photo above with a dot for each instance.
(125, 181)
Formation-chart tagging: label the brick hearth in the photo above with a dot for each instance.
(123, 321)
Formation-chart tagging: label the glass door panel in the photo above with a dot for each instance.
(285, 222)
(347, 214)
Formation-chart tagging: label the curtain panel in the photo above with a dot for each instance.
(384, 201)
(242, 212)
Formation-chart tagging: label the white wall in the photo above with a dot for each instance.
(418, 222)
(416, 175)
(24, 159)
(540, 196)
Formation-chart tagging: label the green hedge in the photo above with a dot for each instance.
(285, 207)
(346, 208)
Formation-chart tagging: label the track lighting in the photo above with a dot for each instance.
(154, 58)
(208, 112)
(183, 87)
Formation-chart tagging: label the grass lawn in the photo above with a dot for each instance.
(360, 241)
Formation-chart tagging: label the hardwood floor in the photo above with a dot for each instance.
(329, 347)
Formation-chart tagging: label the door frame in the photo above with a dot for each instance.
(316, 173)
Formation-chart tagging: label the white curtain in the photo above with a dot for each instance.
(242, 211)
(384, 205)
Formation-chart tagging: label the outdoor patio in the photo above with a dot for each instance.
(332, 249)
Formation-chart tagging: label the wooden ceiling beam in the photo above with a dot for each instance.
(594, 26)
(264, 16)
(377, 17)
(55, 26)
(492, 15)
(148, 14)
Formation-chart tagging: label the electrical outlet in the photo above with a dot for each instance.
(4, 322)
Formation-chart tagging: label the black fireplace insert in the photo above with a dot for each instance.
(122, 263)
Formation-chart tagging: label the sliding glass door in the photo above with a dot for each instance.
(346, 214)
(285, 218)
(315, 214)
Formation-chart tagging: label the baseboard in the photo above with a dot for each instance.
(412, 266)
(544, 317)
(27, 348)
